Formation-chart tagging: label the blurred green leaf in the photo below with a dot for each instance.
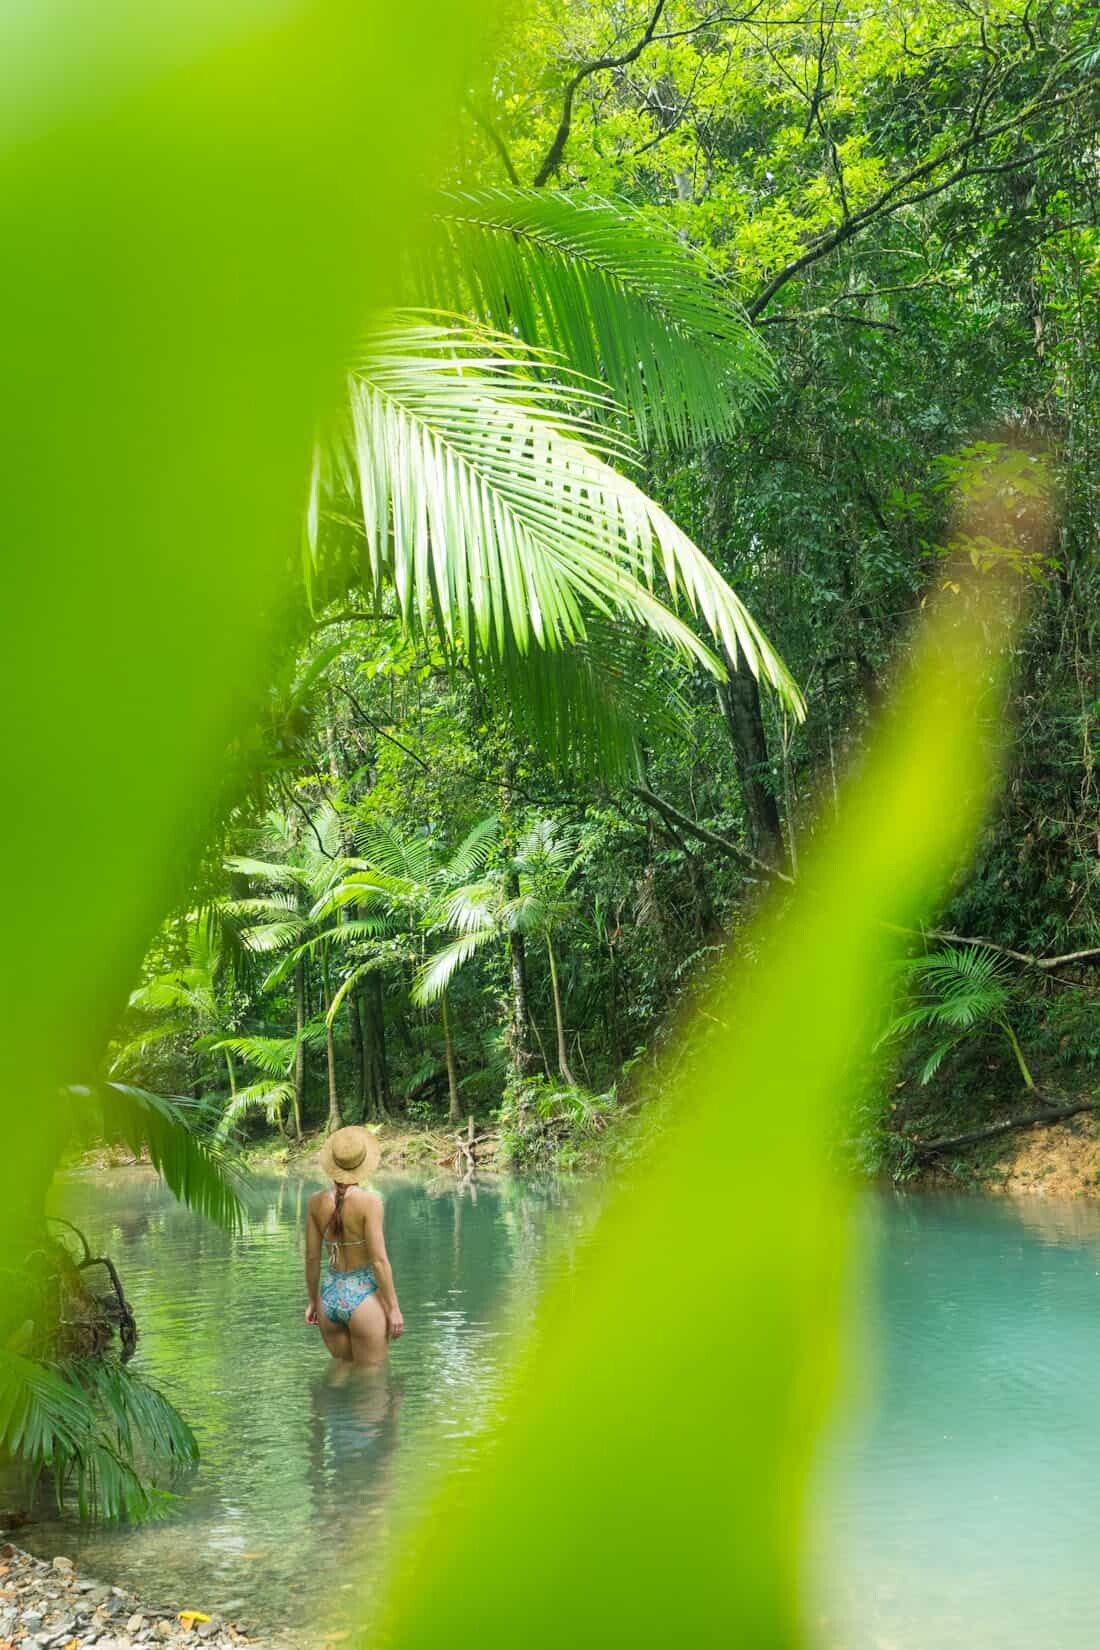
(200, 207)
(646, 1482)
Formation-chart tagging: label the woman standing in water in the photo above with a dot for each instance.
(356, 1306)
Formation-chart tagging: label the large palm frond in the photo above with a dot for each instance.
(473, 851)
(621, 296)
(959, 989)
(492, 505)
(273, 1055)
(192, 1168)
(280, 873)
(136, 1049)
(405, 857)
(960, 985)
(89, 1423)
(187, 989)
(602, 700)
(433, 978)
(270, 1098)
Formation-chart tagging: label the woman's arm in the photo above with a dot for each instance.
(313, 1266)
(383, 1271)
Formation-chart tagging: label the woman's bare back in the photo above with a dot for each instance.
(349, 1250)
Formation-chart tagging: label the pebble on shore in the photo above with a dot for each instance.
(47, 1605)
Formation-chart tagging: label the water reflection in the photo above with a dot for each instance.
(957, 1508)
(299, 1464)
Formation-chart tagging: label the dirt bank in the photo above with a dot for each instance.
(1050, 1160)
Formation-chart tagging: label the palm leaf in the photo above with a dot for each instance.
(138, 1046)
(362, 887)
(470, 909)
(171, 991)
(191, 1168)
(473, 851)
(359, 930)
(273, 936)
(88, 1421)
(603, 699)
(278, 872)
(268, 1098)
(432, 980)
(274, 1055)
(937, 1057)
(37, 1407)
(490, 503)
(404, 858)
(621, 296)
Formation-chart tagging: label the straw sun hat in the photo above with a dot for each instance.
(350, 1155)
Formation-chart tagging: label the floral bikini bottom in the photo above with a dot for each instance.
(342, 1292)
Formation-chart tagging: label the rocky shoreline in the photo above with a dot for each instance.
(48, 1605)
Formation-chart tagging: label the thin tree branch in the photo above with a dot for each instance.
(827, 315)
(552, 159)
(496, 140)
(723, 844)
(289, 796)
(380, 731)
(888, 202)
(1023, 957)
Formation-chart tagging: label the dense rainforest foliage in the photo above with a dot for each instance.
(491, 827)
(732, 336)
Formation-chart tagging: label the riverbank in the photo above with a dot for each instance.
(1051, 1160)
(402, 1149)
(1000, 1142)
(51, 1606)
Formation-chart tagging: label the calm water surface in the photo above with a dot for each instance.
(961, 1504)
(958, 1504)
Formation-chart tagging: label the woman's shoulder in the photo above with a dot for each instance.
(365, 1197)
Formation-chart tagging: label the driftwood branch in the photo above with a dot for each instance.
(127, 1323)
(1030, 1120)
(1024, 958)
(723, 844)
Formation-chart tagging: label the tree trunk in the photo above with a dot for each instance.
(559, 1022)
(452, 1069)
(739, 698)
(335, 1121)
(377, 1098)
(299, 1052)
(520, 1055)
(355, 1021)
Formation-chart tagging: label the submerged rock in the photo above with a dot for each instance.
(48, 1606)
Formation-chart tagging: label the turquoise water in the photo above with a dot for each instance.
(958, 1497)
(961, 1505)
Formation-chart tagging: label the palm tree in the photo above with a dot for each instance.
(276, 1058)
(190, 998)
(288, 921)
(407, 876)
(478, 473)
(961, 991)
(481, 912)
